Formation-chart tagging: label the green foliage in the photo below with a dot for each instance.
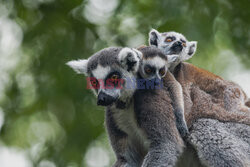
(47, 106)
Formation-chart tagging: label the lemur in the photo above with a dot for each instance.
(205, 94)
(138, 137)
(174, 45)
(142, 133)
(154, 67)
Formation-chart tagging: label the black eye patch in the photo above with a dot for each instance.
(170, 39)
(182, 40)
(149, 70)
(113, 78)
(113, 73)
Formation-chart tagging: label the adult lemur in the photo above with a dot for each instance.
(142, 128)
(205, 94)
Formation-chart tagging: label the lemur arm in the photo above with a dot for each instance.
(118, 140)
(175, 90)
(158, 123)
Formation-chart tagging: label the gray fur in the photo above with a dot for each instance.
(105, 57)
(221, 144)
(166, 144)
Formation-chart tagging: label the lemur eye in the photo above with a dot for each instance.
(184, 43)
(162, 71)
(114, 77)
(147, 70)
(168, 39)
(94, 83)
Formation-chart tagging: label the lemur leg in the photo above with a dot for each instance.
(118, 141)
(175, 90)
(217, 146)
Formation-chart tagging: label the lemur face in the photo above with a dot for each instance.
(109, 72)
(154, 63)
(173, 43)
(154, 68)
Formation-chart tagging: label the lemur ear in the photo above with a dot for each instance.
(130, 59)
(172, 58)
(79, 66)
(191, 49)
(154, 36)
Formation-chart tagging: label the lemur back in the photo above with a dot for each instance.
(209, 96)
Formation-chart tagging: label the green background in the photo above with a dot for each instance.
(48, 118)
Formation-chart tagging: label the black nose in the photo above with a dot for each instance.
(177, 47)
(104, 100)
(179, 43)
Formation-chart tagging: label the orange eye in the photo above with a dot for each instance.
(168, 40)
(114, 77)
(148, 70)
(162, 71)
(184, 44)
(94, 83)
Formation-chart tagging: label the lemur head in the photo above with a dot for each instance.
(154, 64)
(173, 43)
(108, 71)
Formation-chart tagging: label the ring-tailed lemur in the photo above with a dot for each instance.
(128, 138)
(174, 45)
(223, 100)
(154, 67)
(209, 96)
(138, 136)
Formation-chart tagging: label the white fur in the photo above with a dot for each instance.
(79, 66)
(138, 52)
(173, 58)
(136, 56)
(190, 45)
(157, 62)
(126, 121)
(151, 36)
(124, 53)
(101, 72)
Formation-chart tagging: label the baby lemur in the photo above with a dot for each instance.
(154, 69)
(205, 94)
